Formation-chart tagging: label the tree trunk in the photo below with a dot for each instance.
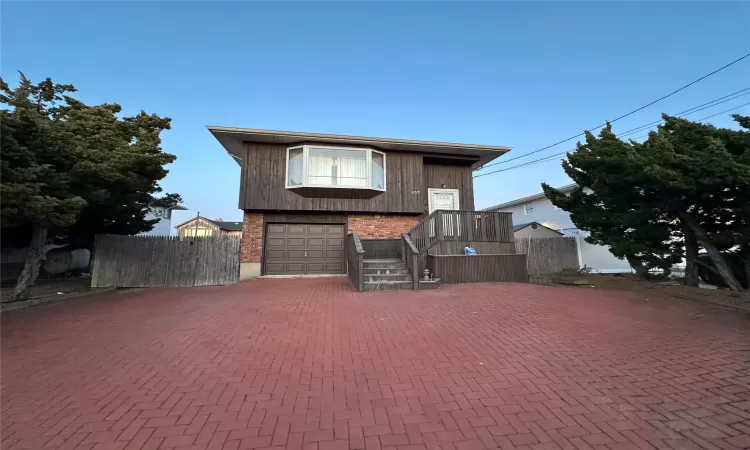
(637, 265)
(745, 255)
(691, 256)
(713, 252)
(33, 262)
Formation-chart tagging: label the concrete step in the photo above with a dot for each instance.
(386, 271)
(387, 277)
(384, 264)
(387, 285)
(432, 284)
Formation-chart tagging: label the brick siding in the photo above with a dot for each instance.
(251, 247)
(377, 226)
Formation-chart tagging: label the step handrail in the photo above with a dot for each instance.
(356, 262)
(411, 257)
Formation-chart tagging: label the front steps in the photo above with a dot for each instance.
(391, 275)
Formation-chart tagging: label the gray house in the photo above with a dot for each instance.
(538, 209)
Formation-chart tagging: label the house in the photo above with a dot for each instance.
(539, 209)
(534, 229)
(164, 226)
(303, 195)
(202, 226)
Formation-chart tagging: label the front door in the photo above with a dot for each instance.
(443, 199)
(447, 200)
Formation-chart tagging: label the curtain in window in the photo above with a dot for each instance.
(333, 167)
(296, 164)
(353, 172)
(378, 171)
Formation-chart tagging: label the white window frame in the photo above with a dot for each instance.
(525, 209)
(305, 166)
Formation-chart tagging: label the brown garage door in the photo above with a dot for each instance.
(292, 249)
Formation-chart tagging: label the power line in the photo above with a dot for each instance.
(627, 114)
(707, 117)
(557, 155)
(711, 104)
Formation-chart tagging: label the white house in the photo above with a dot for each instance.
(538, 208)
(164, 226)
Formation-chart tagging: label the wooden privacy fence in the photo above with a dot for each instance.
(150, 261)
(545, 256)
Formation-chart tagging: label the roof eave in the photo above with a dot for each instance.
(232, 140)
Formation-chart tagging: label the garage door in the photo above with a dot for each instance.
(304, 249)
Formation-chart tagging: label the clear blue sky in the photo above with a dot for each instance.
(518, 74)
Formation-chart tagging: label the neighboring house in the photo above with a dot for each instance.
(164, 226)
(538, 208)
(302, 193)
(534, 229)
(201, 226)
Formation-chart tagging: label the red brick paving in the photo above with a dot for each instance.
(310, 365)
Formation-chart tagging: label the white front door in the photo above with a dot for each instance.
(447, 200)
(443, 199)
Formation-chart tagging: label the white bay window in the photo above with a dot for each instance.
(335, 167)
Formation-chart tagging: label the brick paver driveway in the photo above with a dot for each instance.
(307, 364)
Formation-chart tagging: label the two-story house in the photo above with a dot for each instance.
(538, 208)
(302, 193)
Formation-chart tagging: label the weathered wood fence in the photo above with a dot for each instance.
(545, 256)
(150, 261)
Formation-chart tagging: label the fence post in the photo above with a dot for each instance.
(578, 249)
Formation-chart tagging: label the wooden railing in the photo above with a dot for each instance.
(355, 256)
(410, 255)
(464, 226)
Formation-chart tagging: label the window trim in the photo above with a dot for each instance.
(305, 168)
(525, 211)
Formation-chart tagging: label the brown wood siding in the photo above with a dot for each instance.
(453, 177)
(264, 178)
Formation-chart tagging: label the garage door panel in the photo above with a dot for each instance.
(316, 254)
(276, 255)
(335, 230)
(296, 229)
(316, 267)
(315, 242)
(334, 243)
(333, 267)
(304, 248)
(275, 268)
(276, 229)
(273, 242)
(295, 242)
(315, 230)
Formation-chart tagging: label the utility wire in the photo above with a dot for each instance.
(704, 118)
(692, 110)
(557, 155)
(627, 114)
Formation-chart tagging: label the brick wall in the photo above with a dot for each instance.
(377, 226)
(251, 247)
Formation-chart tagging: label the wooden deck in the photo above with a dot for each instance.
(438, 242)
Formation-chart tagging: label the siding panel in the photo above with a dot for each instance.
(265, 178)
(453, 177)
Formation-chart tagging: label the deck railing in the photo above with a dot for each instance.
(355, 257)
(410, 255)
(464, 226)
